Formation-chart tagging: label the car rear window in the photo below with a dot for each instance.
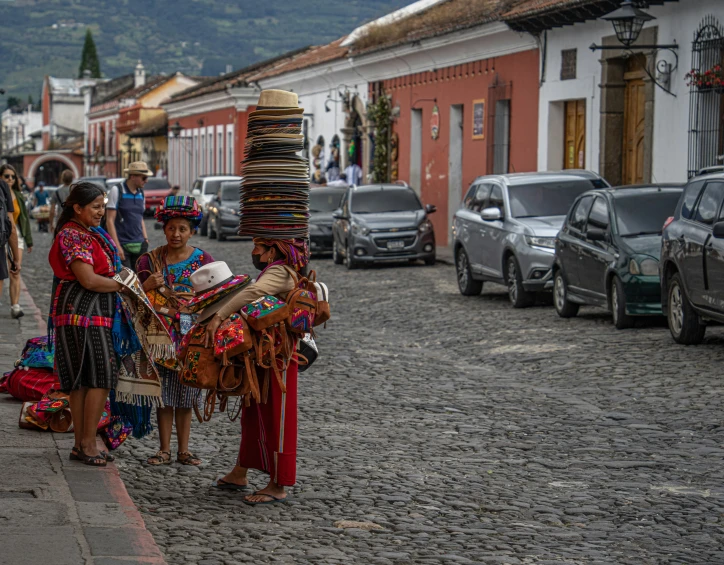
(691, 193)
(643, 214)
(386, 200)
(212, 186)
(324, 200)
(547, 198)
(156, 184)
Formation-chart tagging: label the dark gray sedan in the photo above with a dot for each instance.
(382, 222)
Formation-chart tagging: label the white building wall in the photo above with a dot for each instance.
(16, 128)
(676, 23)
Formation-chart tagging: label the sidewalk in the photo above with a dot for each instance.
(53, 510)
(444, 254)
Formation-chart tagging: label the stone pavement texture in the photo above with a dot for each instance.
(53, 510)
(449, 429)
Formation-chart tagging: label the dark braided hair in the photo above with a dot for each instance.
(81, 193)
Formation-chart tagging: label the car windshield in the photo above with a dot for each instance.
(324, 200)
(156, 184)
(547, 198)
(386, 200)
(230, 191)
(212, 186)
(644, 214)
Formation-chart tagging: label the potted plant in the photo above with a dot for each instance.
(711, 80)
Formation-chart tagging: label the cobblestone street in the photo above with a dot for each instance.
(461, 431)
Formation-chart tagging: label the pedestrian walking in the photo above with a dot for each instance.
(58, 198)
(40, 195)
(268, 430)
(25, 235)
(165, 273)
(8, 232)
(126, 205)
(85, 314)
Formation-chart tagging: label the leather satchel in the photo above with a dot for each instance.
(199, 367)
(232, 339)
(265, 312)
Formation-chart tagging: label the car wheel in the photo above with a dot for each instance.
(211, 231)
(621, 320)
(349, 261)
(518, 296)
(204, 227)
(564, 307)
(219, 233)
(466, 284)
(684, 322)
(336, 255)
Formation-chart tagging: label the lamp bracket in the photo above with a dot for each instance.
(661, 67)
(422, 100)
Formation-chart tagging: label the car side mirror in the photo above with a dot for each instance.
(196, 192)
(491, 214)
(596, 234)
(338, 214)
(430, 208)
(718, 230)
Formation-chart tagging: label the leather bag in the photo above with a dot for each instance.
(199, 367)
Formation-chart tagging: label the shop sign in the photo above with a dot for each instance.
(435, 122)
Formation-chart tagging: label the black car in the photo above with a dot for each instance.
(223, 211)
(692, 260)
(323, 201)
(607, 252)
(380, 223)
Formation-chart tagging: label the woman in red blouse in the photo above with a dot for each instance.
(83, 313)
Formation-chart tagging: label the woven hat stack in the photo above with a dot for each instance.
(275, 185)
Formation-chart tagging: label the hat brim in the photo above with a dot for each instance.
(217, 292)
(129, 172)
(205, 314)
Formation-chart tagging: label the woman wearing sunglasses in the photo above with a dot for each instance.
(25, 236)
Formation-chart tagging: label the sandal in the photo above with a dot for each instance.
(94, 460)
(190, 458)
(108, 457)
(221, 484)
(272, 499)
(76, 454)
(161, 458)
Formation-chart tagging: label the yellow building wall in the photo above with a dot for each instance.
(155, 97)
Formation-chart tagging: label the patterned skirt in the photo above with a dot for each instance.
(84, 353)
(174, 394)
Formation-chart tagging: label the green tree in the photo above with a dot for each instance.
(89, 57)
(13, 101)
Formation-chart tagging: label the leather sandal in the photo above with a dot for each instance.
(94, 460)
(161, 458)
(189, 459)
(76, 454)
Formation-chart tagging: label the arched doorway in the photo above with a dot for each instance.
(47, 168)
(49, 173)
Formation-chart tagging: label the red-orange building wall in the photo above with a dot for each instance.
(460, 85)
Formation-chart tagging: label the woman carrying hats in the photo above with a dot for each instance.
(165, 273)
(86, 315)
(268, 430)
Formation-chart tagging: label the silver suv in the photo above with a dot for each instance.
(505, 230)
(204, 189)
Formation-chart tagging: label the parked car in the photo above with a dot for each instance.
(223, 211)
(99, 181)
(323, 201)
(382, 222)
(692, 260)
(204, 189)
(155, 191)
(505, 230)
(113, 182)
(607, 252)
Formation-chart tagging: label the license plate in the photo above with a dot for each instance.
(395, 244)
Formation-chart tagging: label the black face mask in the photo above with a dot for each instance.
(258, 263)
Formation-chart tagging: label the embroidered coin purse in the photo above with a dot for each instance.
(232, 338)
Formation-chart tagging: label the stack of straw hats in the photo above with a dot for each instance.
(275, 185)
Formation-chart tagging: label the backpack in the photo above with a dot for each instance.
(303, 304)
(6, 226)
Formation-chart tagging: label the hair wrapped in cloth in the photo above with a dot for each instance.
(180, 207)
(294, 251)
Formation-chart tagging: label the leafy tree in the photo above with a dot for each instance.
(13, 101)
(379, 113)
(89, 57)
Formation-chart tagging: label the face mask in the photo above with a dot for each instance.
(258, 263)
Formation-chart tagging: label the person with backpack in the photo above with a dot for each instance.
(124, 211)
(8, 232)
(59, 197)
(25, 234)
(165, 274)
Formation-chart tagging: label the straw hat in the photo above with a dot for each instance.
(277, 99)
(138, 168)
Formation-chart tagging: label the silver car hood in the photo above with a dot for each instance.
(544, 226)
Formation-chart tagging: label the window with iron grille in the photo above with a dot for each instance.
(706, 97)
(568, 63)
(498, 135)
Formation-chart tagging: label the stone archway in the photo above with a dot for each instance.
(47, 157)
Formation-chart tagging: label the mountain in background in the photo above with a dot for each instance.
(196, 37)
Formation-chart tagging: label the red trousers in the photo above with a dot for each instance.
(269, 431)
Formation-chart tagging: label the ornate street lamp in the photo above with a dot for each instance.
(628, 21)
(176, 129)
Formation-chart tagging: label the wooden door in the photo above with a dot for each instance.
(574, 154)
(634, 123)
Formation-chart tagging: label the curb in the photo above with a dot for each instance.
(100, 493)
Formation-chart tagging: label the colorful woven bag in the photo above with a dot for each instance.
(116, 432)
(232, 338)
(199, 367)
(302, 300)
(265, 312)
(37, 353)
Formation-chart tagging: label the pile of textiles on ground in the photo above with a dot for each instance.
(33, 375)
(34, 382)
